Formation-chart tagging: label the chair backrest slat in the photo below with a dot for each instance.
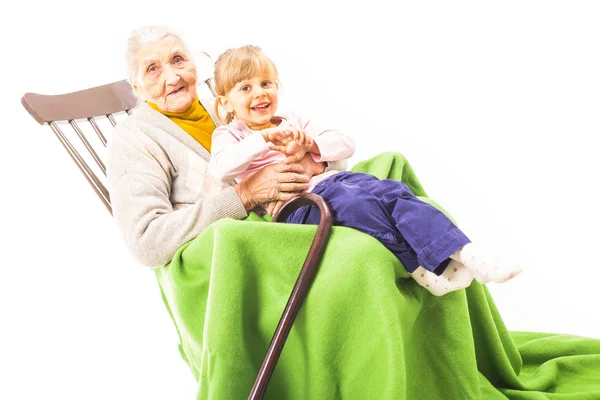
(211, 85)
(93, 180)
(88, 146)
(92, 122)
(111, 119)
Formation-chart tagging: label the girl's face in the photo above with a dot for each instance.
(253, 101)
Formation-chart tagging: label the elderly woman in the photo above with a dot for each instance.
(161, 192)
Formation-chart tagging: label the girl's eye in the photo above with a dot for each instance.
(245, 88)
(267, 83)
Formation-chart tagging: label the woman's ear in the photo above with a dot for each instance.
(133, 85)
(136, 88)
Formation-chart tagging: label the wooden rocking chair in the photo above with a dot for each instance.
(117, 99)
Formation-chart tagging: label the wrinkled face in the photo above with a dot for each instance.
(166, 75)
(253, 101)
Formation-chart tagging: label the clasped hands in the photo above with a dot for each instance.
(294, 144)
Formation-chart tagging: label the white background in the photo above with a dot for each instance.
(496, 106)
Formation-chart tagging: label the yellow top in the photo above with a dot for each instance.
(195, 121)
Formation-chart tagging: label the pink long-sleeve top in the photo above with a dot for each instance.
(238, 151)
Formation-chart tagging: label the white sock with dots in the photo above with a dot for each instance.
(483, 266)
(456, 276)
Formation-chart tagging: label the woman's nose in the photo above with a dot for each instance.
(171, 77)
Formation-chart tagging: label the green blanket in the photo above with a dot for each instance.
(366, 330)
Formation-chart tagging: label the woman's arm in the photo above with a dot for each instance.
(139, 180)
(140, 186)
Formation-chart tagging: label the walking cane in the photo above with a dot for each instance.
(306, 276)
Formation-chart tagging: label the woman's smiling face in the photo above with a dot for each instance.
(165, 75)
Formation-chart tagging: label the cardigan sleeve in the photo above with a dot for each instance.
(139, 179)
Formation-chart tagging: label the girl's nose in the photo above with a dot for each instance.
(258, 92)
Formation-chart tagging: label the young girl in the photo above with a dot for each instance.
(433, 250)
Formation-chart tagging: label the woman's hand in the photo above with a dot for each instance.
(272, 183)
(273, 207)
(311, 167)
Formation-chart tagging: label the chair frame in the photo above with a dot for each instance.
(101, 101)
(117, 97)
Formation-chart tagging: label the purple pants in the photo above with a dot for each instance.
(416, 232)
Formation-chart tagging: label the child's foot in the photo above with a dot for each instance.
(484, 267)
(455, 277)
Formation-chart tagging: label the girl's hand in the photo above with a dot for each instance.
(295, 142)
(277, 135)
(294, 151)
(302, 138)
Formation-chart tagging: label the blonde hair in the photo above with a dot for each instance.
(236, 65)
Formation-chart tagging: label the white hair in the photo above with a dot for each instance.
(141, 37)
